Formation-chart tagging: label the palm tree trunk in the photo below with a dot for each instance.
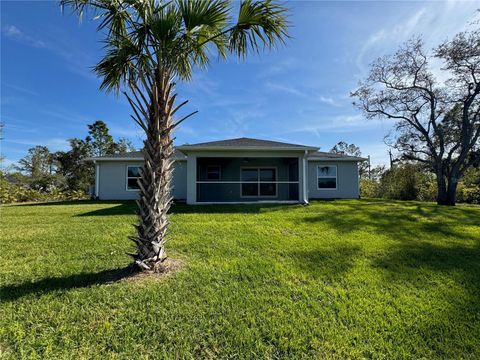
(155, 182)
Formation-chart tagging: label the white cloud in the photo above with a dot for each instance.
(328, 100)
(284, 88)
(13, 32)
(434, 22)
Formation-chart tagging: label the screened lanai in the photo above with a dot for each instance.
(244, 179)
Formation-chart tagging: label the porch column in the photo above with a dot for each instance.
(191, 179)
(303, 178)
(97, 179)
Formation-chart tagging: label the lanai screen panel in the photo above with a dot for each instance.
(239, 179)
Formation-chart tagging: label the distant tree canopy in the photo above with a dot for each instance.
(345, 148)
(437, 123)
(68, 170)
(39, 161)
(78, 173)
(99, 138)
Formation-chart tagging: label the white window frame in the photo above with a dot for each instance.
(130, 177)
(327, 177)
(219, 172)
(258, 182)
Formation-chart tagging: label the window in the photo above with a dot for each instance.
(327, 177)
(213, 172)
(133, 174)
(256, 182)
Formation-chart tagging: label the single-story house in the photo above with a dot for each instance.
(240, 170)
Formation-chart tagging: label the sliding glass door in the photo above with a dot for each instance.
(258, 182)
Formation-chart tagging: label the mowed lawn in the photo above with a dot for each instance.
(336, 279)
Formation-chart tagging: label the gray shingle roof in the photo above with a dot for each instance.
(321, 155)
(245, 143)
(235, 144)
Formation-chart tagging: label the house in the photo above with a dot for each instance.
(240, 170)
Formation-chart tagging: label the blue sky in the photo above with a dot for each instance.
(298, 93)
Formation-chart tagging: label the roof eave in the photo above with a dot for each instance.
(122, 159)
(324, 158)
(186, 148)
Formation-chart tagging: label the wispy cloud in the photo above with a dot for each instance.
(287, 89)
(394, 33)
(328, 100)
(322, 125)
(434, 22)
(77, 60)
(13, 32)
(278, 68)
(53, 144)
(67, 116)
(305, 93)
(20, 89)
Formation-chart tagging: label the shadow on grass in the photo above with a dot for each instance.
(129, 208)
(82, 280)
(403, 262)
(403, 221)
(62, 202)
(331, 262)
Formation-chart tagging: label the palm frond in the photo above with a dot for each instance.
(260, 24)
(178, 34)
(165, 25)
(201, 13)
(121, 64)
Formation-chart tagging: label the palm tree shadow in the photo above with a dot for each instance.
(75, 281)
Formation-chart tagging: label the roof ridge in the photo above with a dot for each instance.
(244, 141)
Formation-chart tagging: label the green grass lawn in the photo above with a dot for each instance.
(337, 279)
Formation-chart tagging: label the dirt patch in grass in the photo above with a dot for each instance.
(131, 273)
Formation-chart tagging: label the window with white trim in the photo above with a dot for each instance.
(213, 172)
(327, 177)
(259, 182)
(133, 174)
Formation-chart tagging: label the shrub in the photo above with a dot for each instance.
(369, 188)
(469, 188)
(400, 183)
(12, 193)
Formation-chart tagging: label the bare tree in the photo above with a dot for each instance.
(437, 123)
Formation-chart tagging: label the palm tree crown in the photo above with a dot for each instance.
(142, 35)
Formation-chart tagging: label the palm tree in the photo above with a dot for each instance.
(151, 44)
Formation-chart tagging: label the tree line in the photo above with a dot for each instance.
(407, 179)
(42, 174)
